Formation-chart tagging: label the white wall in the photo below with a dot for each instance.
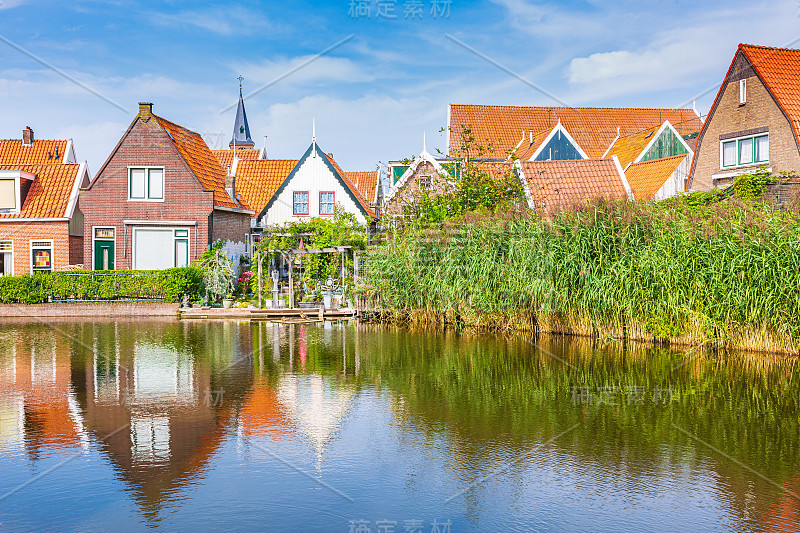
(313, 176)
(676, 183)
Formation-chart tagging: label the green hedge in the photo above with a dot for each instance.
(167, 285)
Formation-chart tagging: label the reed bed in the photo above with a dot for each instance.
(726, 275)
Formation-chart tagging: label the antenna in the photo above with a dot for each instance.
(424, 143)
(314, 137)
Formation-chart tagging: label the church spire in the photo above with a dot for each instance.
(241, 129)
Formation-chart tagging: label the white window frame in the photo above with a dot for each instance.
(332, 203)
(15, 175)
(39, 243)
(742, 92)
(147, 184)
(738, 140)
(94, 238)
(11, 253)
(188, 240)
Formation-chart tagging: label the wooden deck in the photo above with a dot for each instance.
(295, 315)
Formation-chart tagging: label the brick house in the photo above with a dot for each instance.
(410, 180)
(41, 225)
(754, 121)
(160, 200)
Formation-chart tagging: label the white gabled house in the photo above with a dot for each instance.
(314, 187)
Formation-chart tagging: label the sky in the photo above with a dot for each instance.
(374, 75)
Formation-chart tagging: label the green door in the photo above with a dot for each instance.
(104, 255)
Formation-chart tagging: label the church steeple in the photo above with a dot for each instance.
(241, 130)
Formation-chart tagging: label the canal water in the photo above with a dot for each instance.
(200, 426)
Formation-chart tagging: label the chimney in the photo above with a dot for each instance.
(27, 136)
(145, 109)
(530, 133)
(230, 185)
(617, 131)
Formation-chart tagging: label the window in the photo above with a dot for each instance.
(745, 151)
(6, 258)
(160, 248)
(300, 203)
(742, 91)
(8, 194)
(42, 256)
(425, 181)
(146, 184)
(255, 239)
(181, 247)
(326, 203)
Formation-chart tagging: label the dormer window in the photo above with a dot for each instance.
(742, 92)
(14, 186)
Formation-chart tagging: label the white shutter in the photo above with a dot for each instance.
(154, 249)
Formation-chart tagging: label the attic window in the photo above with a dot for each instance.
(8, 194)
(742, 92)
(650, 134)
(241, 129)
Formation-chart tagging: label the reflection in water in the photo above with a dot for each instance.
(406, 418)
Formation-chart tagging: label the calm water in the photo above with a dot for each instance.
(195, 426)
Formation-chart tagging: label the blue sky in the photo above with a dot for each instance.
(374, 94)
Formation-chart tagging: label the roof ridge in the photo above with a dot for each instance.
(576, 107)
(660, 159)
(764, 47)
(184, 128)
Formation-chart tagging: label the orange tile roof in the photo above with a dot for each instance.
(528, 148)
(50, 191)
(554, 183)
(353, 189)
(201, 161)
(779, 69)
(225, 157)
(495, 169)
(366, 183)
(258, 180)
(627, 149)
(647, 177)
(40, 152)
(500, 128)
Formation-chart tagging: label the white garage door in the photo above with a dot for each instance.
(154, 249)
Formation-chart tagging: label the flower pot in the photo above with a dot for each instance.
(227, 303)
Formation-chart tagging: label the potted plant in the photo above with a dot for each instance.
(227, 302)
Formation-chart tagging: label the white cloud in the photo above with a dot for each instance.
(8, 4)
(303, 70)
(225, 21)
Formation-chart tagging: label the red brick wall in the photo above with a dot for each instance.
(76, 250)
(412, 190)
(105, 202)
(729, 117)
(21, 233)
(230, 226)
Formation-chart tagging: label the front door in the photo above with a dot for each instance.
(104, 255)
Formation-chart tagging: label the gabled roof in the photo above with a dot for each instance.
(225, 157)
(554, 183)
(40, 152)
(334, 169)
(647, 178)
(779, 69)
(52, 192)
(201, 161)
(628, 149)
(497, 170)
(257, 180)
(366, 182)
(530, 144)
(499, 128)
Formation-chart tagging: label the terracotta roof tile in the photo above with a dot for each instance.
(201, 161)
(647, 177)
(495, 169)
(225, 157)
(365, 182)
(779, 68)
(529, 146)
(258, 180)
(554, 183)
(352, 187)
(627, 149)
(500, 128)
(40, 152)
(49, 193)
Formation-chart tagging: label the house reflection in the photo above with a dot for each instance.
(38, 409)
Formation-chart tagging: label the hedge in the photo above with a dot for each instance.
(167, 285)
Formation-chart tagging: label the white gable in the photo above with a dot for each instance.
(313, 176)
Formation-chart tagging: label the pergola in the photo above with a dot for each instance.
(290, 256)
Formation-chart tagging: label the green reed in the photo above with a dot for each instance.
(726, 274)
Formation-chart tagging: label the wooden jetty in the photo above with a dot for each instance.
(287, 316)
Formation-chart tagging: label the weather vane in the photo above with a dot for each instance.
(240, 78)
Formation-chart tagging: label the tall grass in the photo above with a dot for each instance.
(726, 274)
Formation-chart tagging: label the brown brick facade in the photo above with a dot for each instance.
(22, 233)
(230, 226)
(730, 119)
(105, 203)
(414, 188)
